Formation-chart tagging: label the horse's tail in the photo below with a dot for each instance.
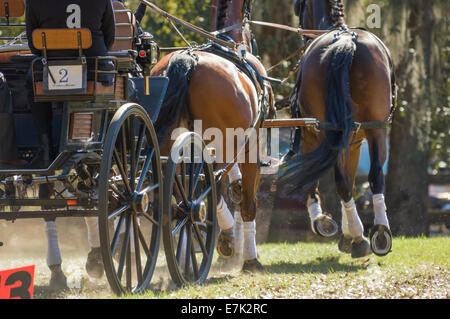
(305, 172)
(179, 73)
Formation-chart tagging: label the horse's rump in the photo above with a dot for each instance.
(345, 77)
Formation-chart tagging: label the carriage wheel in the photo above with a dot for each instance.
(190, 204)
(130, 209)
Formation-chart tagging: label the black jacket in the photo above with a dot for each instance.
(96, 15)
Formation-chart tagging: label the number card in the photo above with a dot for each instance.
(65, 77)
(17, 283)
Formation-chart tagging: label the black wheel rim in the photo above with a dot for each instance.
(129, 200)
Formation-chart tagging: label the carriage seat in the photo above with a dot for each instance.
(70, 39)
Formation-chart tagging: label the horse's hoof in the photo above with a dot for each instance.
(58, 281)
(361, 248)
(235, 191)
(94, 263)
(252, 266)
(345, 244)
(380, 240)
(325, 226)
(225, 244)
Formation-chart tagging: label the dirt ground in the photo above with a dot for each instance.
(25, 244)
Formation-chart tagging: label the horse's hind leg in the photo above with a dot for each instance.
(352, 240)
(58, 280)
(225, 220)
(94, 263)
(381, 236)
(250, 180)
(321, 224)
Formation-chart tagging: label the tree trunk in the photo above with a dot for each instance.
(407, 179)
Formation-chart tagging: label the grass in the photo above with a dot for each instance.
(416, 268)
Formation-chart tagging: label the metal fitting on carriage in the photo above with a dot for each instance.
(148, 51)
(87, 182)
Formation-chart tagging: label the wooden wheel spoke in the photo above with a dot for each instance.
(132, 142)
(182, 190)
(140, 141)
(128, 268)
(137, 250)
(119, 211)
(203, 195)
(116, 234)
(145, 169)
(187, 255)
(200, 240)
(122, 172)
(124, 250)
(183, 176)
(144, 244)
(197, 176)
(149, 218)
(179, 226)
(149, 189)
(124, 148)
(191, 172)
(180, 244)
(194, 263)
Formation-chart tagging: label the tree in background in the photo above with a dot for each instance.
(193, 11)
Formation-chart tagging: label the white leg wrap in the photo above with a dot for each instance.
(355, 226)
(93, 234)
(250, 241)
(224, 217)
(379, 209)
(235, 173)
(314, 208)
(344, 220)
(53, 252)
(239, 234)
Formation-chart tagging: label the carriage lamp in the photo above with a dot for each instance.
(142, 53)
(80, 127)
(148, 50)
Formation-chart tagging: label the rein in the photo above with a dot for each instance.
(188, 25)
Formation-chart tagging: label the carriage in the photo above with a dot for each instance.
(108, 162)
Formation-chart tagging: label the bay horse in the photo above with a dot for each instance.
(346, 77)
(207, 87)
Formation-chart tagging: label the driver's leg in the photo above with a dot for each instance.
(8, 148)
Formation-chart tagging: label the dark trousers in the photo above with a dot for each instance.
(41, 111)
(8, 148)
